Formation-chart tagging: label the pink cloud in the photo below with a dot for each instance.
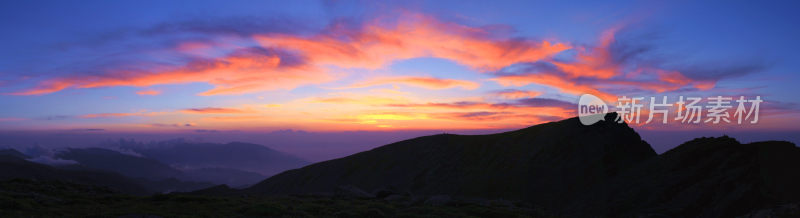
(423, 82)
(238, 73)
(10, 119)
(214, 110)
(516, 94)
(378, 43)
(104, 115)
(148, 92)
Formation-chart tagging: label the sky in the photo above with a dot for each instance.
(205, 67)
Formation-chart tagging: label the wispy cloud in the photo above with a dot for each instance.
(516, 94)
(284, 60)
(608, 68)
(103, 115)
(423, 82)
(215, 110)
(172, 125)
(9, 119)
(379, 42)
(364, 100)
(264, 57)
(148, 92)
(111, 115)
(243, 71)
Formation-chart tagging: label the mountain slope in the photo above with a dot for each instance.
(705, 177)
(599, 170)
(13, 153)
(546, 164)
(12, 167)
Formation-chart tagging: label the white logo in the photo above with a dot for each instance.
(591, 109)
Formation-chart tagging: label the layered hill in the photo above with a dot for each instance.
(235, 164)
(234, 155)
(128, 165)
(14, 167)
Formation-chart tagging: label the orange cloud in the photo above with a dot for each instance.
(236, 118)
(214, 110)
(423, 82)
(103, 115)
(594, 62)
(543, 107)
(45, 87)
(677, 78)
(560, 83)
(148, 92)
(482, 116)
(667, 81)
(456, 105)
(242, 72)
(516, 94)
(377, 44)
(673, 77)
(366, 100)
(171, 125)
(373, 45)
(106, 115)
(594, 70)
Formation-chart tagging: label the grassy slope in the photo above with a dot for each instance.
(28, 198)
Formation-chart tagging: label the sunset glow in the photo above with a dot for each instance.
(392, 68)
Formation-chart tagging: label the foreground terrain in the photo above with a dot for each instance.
(25, 198)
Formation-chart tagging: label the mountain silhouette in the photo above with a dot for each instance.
(547, 164)
(13, 167)
(13, 153)
(705, 177)
(604, 169)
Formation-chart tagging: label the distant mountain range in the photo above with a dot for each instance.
(181, 166)
(572, 169)
(234, 155)
(110, 160)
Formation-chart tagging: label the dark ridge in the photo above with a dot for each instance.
(705, 177)
(548, 164)
(12, 167)
(604, 169)
(13, 153)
